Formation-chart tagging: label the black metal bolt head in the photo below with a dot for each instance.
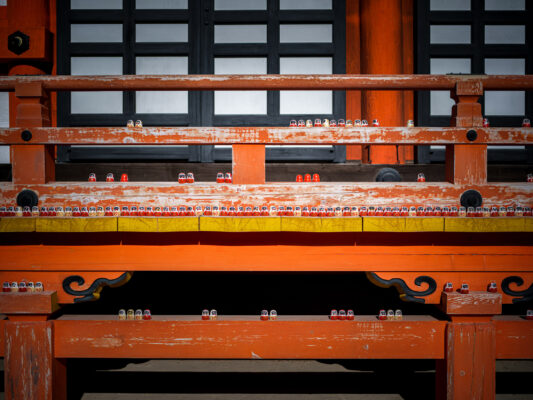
(471, 135)
(18, 42)
(26, 135)
(388, 175)
(471, 198)
(27, 198)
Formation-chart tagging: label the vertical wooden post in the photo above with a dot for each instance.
(31, 371)
(32, 163)
(467, 163)
(248, 163)
(469, 369)
(381, 53)
(406, 153)
(353, 66)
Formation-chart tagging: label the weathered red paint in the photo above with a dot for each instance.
(514, 337)
(247, 337)
(28, 303)
(265, 135)
(473, 303)
(303, 194)
(269, 82)
(31, 371)
(469, 368)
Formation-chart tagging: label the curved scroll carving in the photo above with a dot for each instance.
(406, 293)
(523, 295)
(92, 293)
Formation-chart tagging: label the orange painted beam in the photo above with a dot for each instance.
(248, 164)
(28, 303)
(269, 82)
(31, 371)
(381, 50)
(194, 257)
(2, 333)
(473, 303)
(281, 193)
(264, 135)
(246, 337)
(514, 337)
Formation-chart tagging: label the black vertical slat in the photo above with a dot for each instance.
(529, 71)
(478, 42)
(339, 67)
(273, 102)
(63, 68)
(422, 43)
(128, 60)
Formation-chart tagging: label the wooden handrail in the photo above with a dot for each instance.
(264, 135)
(266, 82)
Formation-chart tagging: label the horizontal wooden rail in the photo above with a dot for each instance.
(268, 82)
(246, 337)
(281, 193)
(514, 336)
(264, 135)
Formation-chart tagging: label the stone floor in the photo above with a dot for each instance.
(277, 380)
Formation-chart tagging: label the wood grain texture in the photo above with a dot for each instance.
(28, 303)
(250, 338)
(470, 360)
(264, 135)
(268, 82)
(267, 257)
(31, 372)
(473, 303)
(514, 337)
(325, 194)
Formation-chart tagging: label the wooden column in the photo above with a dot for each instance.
(32, 163)
(31, 371)
(353, 66)
(467, 163)
(29, 104)
(406, 153)
(381, 53)
(469, 369)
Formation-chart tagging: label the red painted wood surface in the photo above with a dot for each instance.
(298, 337)
(381, 53)
(353, 66)
(31, 372)
(33, 163)
(514, 337)
(269, 82)
(281, 193)
(28, 303)
(467, 164)
(248, 164)
(206, 257)
(473, 303)
(470, 361)
(265, 135)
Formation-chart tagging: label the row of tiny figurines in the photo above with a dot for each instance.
(212, 315)
(264, 211)
(327, 123)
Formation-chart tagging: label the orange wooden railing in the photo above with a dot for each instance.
(466, 345)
